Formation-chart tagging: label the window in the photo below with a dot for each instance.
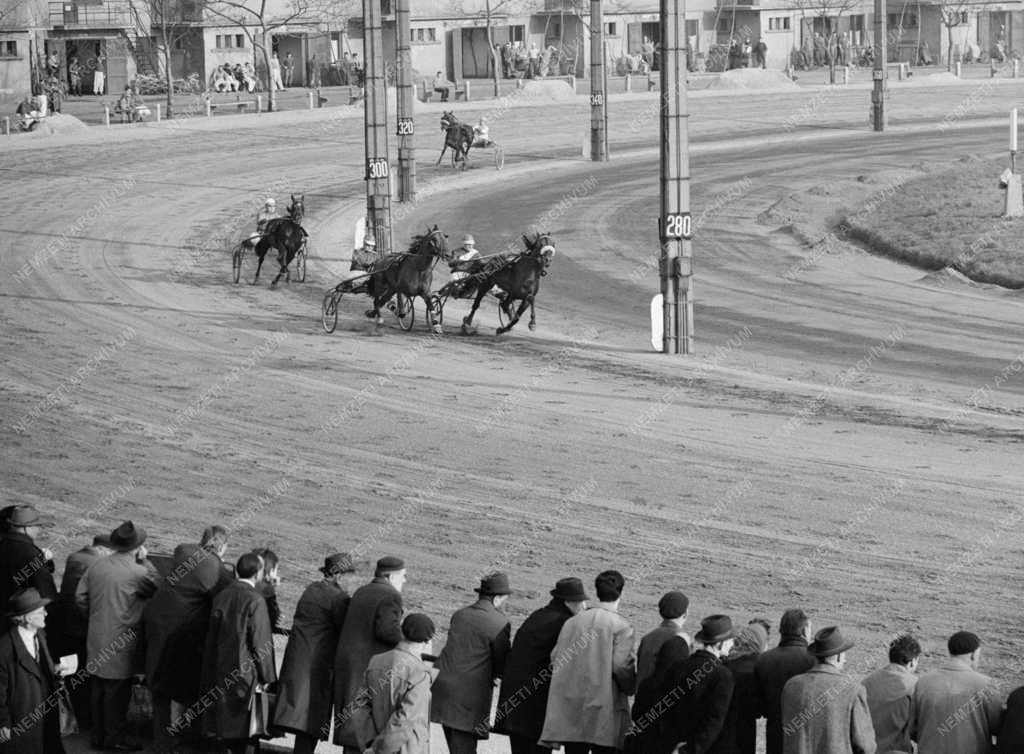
(909, 20)
(857, 23)
(517, 33)
(8, 49)
(424, 35)
(239, 40)
(555, 31)
(778, 23)
(611, 29)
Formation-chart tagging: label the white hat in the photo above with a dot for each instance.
(369, 240)
(271, 202)
(468, 239)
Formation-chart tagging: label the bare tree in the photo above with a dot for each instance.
(19, 14)
(952, 14)
(830, 12)
(491, 10)
(167, 22)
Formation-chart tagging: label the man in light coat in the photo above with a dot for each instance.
(373, 624)
(956, 709)
(824, 710)
(593, 675)
(523, 698)
(113, 593)
(307, 673)
(890, 692)
(472, 660)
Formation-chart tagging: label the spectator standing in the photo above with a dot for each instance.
(289, 68)
(533, 59)
(74, 626)
(956, 709)
(776, 666)
(472, 660)
(176, 621)
(75, 76)
(113, 593)
(307, 673)
(214, 540)
(267, 586)
(647, 735)
(523, 698)
(761, 53)
(238, 661)
(739, 734)
(373, 625)
(29, 721)
(99, 76)
(22, 563)
(314, 73)
(1011, 732)
(276, 83)
(702, 689)
(391, 715)
(593, 676)
(672, 608)
(890, 692)
(824, 710)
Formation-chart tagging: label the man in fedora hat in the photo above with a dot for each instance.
(22, 563)
(472, 660)
(593, 675)
(113, 593)
(373, 624)
(824, 710)
(29, 721)
(701, 688)
(774, 668)
(305, 686)
(523, 698)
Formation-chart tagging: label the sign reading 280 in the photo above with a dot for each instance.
(377, 167)
(679, 225)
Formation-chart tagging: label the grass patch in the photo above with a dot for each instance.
(947, 218)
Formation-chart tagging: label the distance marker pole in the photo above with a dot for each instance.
(598, 94)
(406, 95)
(378, 169)
(880, 68)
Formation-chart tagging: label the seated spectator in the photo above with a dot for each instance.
(442, 86)
(29, 113)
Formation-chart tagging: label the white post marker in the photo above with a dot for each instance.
(1014, 206)
(658, 323)
(311, 95)
(157, 112)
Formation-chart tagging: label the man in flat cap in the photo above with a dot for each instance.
(672, 607)
(472, 660)
(307, 673)
(593, 675)
(113, 593)
(373, 624)
(824, 710)
(391, 713)
(523, 698)
(956, 709)
(22, 563)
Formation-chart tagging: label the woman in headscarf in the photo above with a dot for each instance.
(739, 734)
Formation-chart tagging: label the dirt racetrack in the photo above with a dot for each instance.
(847, 439)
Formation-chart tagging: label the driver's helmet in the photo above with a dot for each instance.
(270, 203)
(370, 241)
(468, 240)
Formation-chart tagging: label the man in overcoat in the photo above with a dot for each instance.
(307, 673)
(29, 721)
(699, 689)
(824, 710)
(890, 693)
(672, 608)
(176, 621)
(776, 666)
(472, 660)
(113, 593)
(22, 563)
(593, 675)
(739, 734)
(238, 661)
(373, 624)
(956, 709)
(523, 698)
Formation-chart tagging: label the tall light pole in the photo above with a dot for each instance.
(676, 268)
(880, 69)
(378, 169)
(406, 95)
(598, 94)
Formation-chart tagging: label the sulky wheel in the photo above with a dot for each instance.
(499, 157)
(236, 262)
(330, 312)
(405, 311)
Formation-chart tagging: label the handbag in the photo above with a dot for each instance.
(261, 703)
(68, 721)
(140, 705)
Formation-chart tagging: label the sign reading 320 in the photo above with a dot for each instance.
(679, 225)
(377, 167)
(406, 127)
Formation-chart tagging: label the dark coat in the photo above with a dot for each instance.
(1011, 734)
(71, 624)
(176, 621)
(701, 687)
(239, 654)
(373, 625)
(739, 734)
(771, 671)
(472, 659)
(307, 675)
(523, 698)
(647, 652)
(22, 565)
(647, 735)
(25, 688)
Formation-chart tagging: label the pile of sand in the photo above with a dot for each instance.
(947, 277)
(753, 78)
(554, 90)
(58, 123)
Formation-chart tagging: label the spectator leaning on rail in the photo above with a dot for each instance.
(890, 692)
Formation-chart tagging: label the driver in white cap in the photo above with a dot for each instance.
(467, 252)
(267, 213)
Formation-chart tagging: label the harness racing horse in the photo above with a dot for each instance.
(409, 274)
(458, 137)
(286, 235)
(518, 276)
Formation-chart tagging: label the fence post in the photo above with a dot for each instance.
(7, 126)
(106, 115)
(629, 83)
(311, 95)
(157, 112)
(259, 103)
(846, 75)
(209, 109)
(465, 83)
(958, 69)
(1016, 68)
(992, 69)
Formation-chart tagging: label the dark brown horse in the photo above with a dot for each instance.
(458, 137)
(517, 275)
(286, 235)
(409, 274)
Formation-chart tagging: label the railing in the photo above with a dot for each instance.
(72, 15)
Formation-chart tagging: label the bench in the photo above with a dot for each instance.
(241, 106)
(458, 90)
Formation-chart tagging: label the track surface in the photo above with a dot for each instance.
(848, 438)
